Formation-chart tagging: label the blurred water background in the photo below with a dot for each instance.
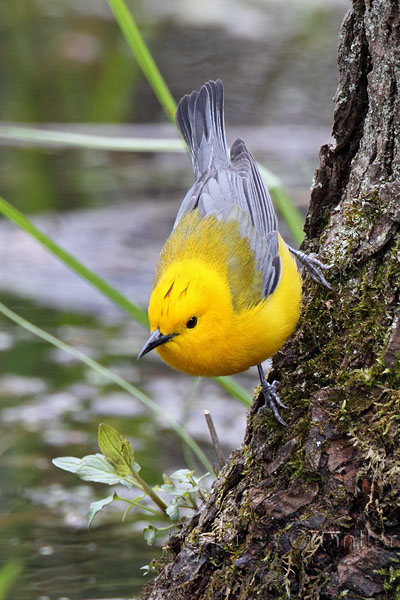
(64, 65)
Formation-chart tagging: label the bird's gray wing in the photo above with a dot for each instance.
(253, 198)
(258, 200)
(200, 118)
(229, 190)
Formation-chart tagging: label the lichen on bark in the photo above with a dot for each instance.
(312, 511)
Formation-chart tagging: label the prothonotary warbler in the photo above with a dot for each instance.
(227, 290)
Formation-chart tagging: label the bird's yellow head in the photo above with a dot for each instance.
(190, 313)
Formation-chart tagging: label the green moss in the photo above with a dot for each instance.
(354, 317)
(391, 579)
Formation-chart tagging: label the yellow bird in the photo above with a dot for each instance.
(227, 291)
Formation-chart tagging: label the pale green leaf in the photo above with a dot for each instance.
(169, 488)
(182, 475)
(149, 534)
(68, 463)
(95, 507)
(93, 467)
(173, 512)
(117, 450)
(167, 479)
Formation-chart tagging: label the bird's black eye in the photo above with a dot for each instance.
(191, 323)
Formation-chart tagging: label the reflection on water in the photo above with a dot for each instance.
(67, 62)
(65, 562)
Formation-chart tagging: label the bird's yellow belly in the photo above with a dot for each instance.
(265, 328)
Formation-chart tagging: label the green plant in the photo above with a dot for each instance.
(116, 465)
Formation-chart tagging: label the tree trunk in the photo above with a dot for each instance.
(312, 510)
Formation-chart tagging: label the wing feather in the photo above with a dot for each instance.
(232, 191)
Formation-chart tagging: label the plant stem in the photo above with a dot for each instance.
(150, 492)
(133, 504)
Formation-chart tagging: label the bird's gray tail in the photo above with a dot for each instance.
(200, 118)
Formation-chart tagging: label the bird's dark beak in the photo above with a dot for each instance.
(156, 339)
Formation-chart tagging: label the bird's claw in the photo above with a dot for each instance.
(313, 264)
(274, 393)
(271, 397)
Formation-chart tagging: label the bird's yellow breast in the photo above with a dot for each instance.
(208, 270)
(265, 327)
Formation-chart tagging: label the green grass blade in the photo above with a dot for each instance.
(86, 140)
(9, 573)
(234, 389)
(110, 377)
(143, 56)
(290, 214)
(106, 289)
(284, 204)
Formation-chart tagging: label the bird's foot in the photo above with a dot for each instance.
(271, 397)
(313, 265)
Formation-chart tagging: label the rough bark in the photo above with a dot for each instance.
(312, 511)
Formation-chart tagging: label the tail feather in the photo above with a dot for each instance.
(200, 118)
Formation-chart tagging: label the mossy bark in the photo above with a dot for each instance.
(313, 510)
